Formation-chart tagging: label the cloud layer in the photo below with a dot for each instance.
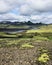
(34, 10)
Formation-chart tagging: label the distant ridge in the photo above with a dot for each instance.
(21, 23)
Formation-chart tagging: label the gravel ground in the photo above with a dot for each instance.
(15, 56)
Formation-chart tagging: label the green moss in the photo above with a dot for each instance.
(44, 51)
(27, 45)
(44, 58)
(42, 29)
(41, 38)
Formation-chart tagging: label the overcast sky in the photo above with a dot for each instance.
(24, 10)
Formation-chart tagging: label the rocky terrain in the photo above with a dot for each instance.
(27, 56)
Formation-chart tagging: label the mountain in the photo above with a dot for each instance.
(20, 23)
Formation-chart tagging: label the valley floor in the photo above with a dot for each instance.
(32, 47)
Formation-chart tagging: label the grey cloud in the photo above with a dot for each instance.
(34, 10)
(36, 6)
(30, 6)
(7, 5)
(45, 18)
